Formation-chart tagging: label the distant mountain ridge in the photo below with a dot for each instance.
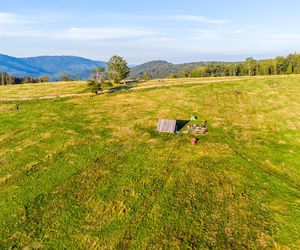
(19, 67)
(80, 68)
(53, 66)
(162, 69)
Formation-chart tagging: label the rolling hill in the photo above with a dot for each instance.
(53, 66)
(162, 69)
(80, 68)
(19, 67)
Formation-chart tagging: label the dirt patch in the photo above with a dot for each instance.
(5, 179)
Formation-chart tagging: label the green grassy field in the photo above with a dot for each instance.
(45, 89)
(80, 87)
(88, 173)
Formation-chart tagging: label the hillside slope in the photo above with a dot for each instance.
(92, 172)
(77, 67)
(53, 66)
(80, 68)
(162, 69)
(19, 67)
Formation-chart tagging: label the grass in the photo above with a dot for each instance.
(88, 173)
(44, 89)
(80, 87)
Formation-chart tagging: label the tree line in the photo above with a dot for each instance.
(250, 67)
(7, 79)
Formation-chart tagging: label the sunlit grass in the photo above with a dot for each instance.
(43, 89)
(93, 172)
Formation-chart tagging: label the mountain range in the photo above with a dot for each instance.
(80, 68)
(53, 66)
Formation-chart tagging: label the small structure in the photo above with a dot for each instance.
(167, 126)
(171, 126)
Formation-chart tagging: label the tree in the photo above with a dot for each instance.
(98, 82)
(266, 67)
(250, 65)
(199, 72)
(44, 78)
(172, 76)
(95, 86)
(98, 73)
(147, 76)
(65, 77)
(2, 78)
(292, 61)
(30, 79)
(139, 78)
(281, 65)
(117, 69)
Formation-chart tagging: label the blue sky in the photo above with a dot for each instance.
(177, 31)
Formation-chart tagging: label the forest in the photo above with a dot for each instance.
(8, 79)
(250, 67)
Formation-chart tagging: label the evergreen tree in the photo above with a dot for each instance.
(117, 69)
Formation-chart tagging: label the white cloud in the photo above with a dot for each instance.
(107, 33)
(216, 34)
(80, 34)
(286, 36)
(8, 18)
(14, 19)
(198, 19)
(140, 37)
(202, 34)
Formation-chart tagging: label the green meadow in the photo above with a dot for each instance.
(92, 172)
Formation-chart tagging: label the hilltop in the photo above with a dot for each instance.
(162, 69)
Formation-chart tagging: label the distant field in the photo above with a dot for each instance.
(80, 87)
(43, 89)
(88, 173)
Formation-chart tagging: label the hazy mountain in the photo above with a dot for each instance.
(19, 67)
(80, 68)
(53, 66)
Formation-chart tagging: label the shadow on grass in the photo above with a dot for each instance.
(120, 88)
(180, 124)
